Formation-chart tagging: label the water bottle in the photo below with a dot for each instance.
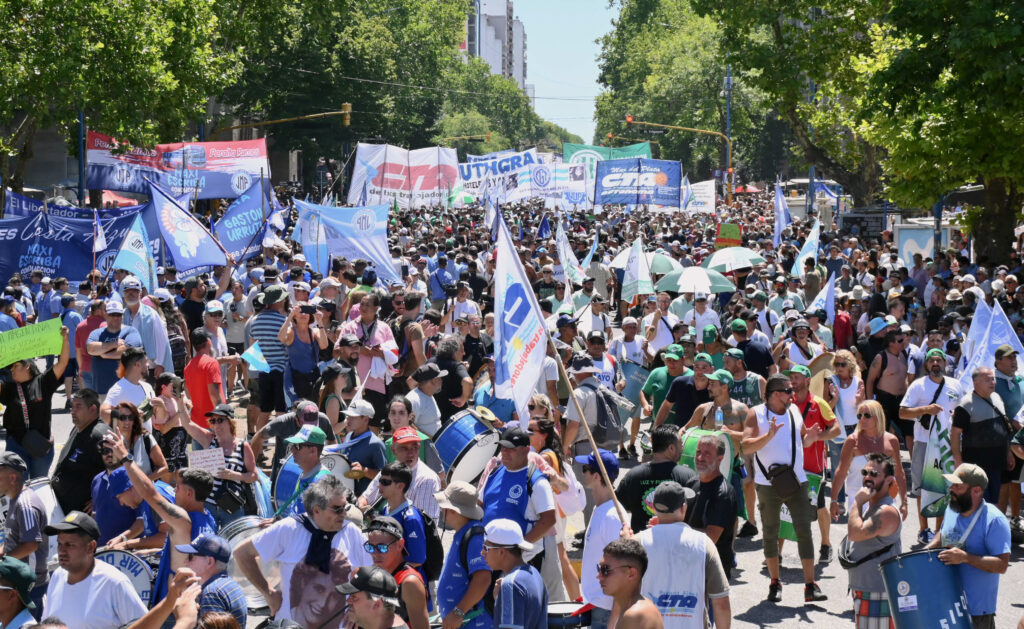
(719, 420)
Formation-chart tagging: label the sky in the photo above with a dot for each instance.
(561, 57)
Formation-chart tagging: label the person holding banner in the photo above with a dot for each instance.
(27, 399)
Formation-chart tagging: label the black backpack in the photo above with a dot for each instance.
(435, 549)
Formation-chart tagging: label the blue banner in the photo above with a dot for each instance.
(59, 247)
(187, 242)
(350, 232)
(241, 229)
(650, 181)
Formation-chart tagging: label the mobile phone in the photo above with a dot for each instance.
(307, 309)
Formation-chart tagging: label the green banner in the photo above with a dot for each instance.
(591, 155)
(786, 530)
(31, 341)
(938, 460)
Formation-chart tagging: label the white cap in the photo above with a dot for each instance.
(162, 294)
(215, 305)
(360, 408)
(629, 320)
(504, 532)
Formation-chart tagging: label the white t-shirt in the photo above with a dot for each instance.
(428, 415)
(631, 350)
(286, 542)
(460, 308)
(663, 333)
(920, 393)
(604, 528)
(701, 320)
(124, 391)
(105, 599)
(549, 373)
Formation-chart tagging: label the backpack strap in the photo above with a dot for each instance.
(471, 532)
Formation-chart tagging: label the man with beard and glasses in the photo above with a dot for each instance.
(976, 539)
(930, 402)
(716, 506)
(873, 537)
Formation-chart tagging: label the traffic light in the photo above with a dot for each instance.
(488, 136)
(346, 114)
(629, 119)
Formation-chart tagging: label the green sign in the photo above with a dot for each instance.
(31, 341)
(591, 155)
(786, 530)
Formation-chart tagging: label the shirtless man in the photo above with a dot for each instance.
(620, 574)
(733, 412)
(887, 382)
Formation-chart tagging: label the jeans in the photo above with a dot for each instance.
(86, 378)
(37, 467)
(222, 517)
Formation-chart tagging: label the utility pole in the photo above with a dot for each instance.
(728, 131)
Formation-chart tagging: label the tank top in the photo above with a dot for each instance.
(779, 450)
(867, 577)
(234, 462)
(846, 409)
(747, 390)
(507, 495)
(301, 354)
(796, 355)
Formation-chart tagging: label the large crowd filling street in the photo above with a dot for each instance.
(267, 443)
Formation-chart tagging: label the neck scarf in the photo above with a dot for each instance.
(318, 554)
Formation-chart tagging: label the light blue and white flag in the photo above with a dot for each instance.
(998, 332)
(686, 195)
(593, 248)
(809, 250)
(99, 243)
(520, 341)
(350, 232)
(254, 356)
(571, 269)
(782, 217)
(135, 255)
(240, 230)
(544, 229)
(979, 327)
(189, 244)
(826, 299)
(637, 279)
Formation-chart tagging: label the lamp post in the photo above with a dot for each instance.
(728, 129)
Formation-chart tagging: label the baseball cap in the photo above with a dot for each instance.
(207, 545)
(348, 340)
(801, 323)
(876, 325)
(721, 375)
(21, 577)
(119, 482)
(408, 434)
(162, 294)
(610, 460)
(703, 357)
(1005, 350)
(360, 408)
(372, 580)
(13, 461)
(760, 296)
(428, 371)
(736, 353)
(674, 351)
(968, 474)
(710, 333)
(131, 283)
(385, 524)
(308, 434)
(75, 521)
(565, 320)
(941, 354)
(800, 369)
(215, 305)
(629, 321)
(514, 438)
(700, 296)
(222, 410)
(738, 325)
(670, 496)
(115, 307)
(595, 335)
(504, 532)
(300, 286)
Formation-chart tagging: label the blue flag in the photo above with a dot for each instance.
(135, 255)
(188, 242)
(544, 230)
(242, 227)
(352, 232)
(782, 217)
(254, 356)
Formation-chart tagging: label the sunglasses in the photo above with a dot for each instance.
(604, 569)
(385, 482)
(871, 473)
(217, 420)
(531, 406)
(122, 416)
(106, 451)
(840, 364)
(864, 415)
(788, 391)
(490, 547)
(380, 549)
(216, 314)
(336, 509)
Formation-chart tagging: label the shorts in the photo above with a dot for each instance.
(271, 386)
(891, 405)
(822, 490)
(72, 369)
(236, 348)
(871, 610)
(254, 390)
(917, 468)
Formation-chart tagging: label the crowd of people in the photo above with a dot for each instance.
(676, 423)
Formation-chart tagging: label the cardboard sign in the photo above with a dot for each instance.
(210, 459)
(729, 235)
(31, 341)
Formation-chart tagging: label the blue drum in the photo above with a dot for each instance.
(466, 444)
(264, 505)
(287, 478)
(924, 593)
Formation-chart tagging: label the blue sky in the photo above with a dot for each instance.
(561, 57)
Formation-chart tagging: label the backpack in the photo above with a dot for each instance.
(435, 549)
(179, 350)
(609, 428)
(488, 599)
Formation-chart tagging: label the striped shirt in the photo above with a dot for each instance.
(424, 485)
(234, 462)
(265, 327)
(222, 594)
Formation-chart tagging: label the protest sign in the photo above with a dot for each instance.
(385, 173)
(729, 235)
(637, 181)
(31, 341)
(211, 459)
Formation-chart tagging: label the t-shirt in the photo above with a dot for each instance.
(920, 393)
(38, 393)
(604, 528)
(200, 372)
(222, 594)
(79, 463)
(985, 436)
(112, 517)
(284, 426)
(685, 398)
(193, 312)
(656, 388)
(990, 536)
(522, 601)
(25, 522)
(454, 580)
(264, 329)
(414, 533)
(716, 505)
(815, 411)
(126, 391)
(367, 450)
(307, 595)
(428, 415)
(636, 488)
(105, 599)
(104, 370)
(451, 386)
(756, 356)
(202, 523)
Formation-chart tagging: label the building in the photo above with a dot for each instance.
(494, 34)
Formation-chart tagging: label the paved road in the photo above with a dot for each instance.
(750, 580)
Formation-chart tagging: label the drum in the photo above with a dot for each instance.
(690, 439)
(134, 567)
(466, 444)
(924, 592)
(235, 533)
(567, 614)
(53, 513)
(336, 463)
(264, 504)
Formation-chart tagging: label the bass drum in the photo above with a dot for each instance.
(466, 444)
(690, 439)
(135, 568)
(335, 462)
(567, 614)
(54, 514)
(235, 533)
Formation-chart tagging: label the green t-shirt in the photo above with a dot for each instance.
(657, 387)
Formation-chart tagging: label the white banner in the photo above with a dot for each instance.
(488, 172)
(703, 197)
(545, 181)
(385, 173)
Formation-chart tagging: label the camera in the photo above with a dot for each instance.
(307, 309)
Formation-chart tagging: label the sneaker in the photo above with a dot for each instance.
(632, 451)
(925, 536)
(623, 454)
(813, 593)
(825, 554)
(747, 530)
(775, 591)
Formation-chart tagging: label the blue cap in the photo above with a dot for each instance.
(876, 325)
(207, 545)
(565, 320)
(611, 462)
(119, 482)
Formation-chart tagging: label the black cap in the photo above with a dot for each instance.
(348, 340)
(514, 438)
(75, 521)
(222, 410)
(595, 335)
(428, 371)
(13, 461)
(670, 496)
(385, 524)
(373, 580)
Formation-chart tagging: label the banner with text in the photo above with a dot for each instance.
(241, 229)
(386, 173)
(650, 181)
(57, 246)
(350, 232)
(488, 174)
(703, 197)
(31, 341)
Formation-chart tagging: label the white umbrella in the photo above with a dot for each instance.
(732, 258)
(694, 279)
(659, 263)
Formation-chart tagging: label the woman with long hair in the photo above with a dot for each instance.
(228, 497)
(127, 420)
(304, 341)
(843, 393)
(400, 415)
(336, 379)
(869, 436)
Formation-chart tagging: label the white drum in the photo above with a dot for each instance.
(134, 567)
(235, 533)
(54, 513)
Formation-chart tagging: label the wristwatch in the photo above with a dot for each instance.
(127, 459)
(458, 612)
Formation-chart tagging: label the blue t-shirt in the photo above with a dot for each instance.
(990, 536)
(522, 601)
(7, 322)
(414, 534)
(503, 408)
(70, 319)
(367, 450)
(1011, 392)
(202, 522)
(104, 370)
(150, 519)
(112, 517)
(222, 594)
(454, 581)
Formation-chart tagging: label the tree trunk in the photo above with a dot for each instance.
(993, 232)
(25, 155)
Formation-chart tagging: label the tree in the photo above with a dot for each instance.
(942, 96)
(140, 71)
(469, 123)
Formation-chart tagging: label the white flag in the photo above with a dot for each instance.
(638, 273)
(99, 242)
